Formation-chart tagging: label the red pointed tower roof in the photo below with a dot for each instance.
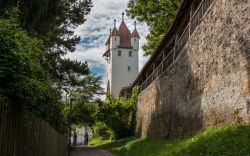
(135, 33)
(114, 32)
(125, 35)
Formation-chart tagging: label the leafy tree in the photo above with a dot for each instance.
(23, 80)
(32, 72)
(157, 14)
(81, 85)
(77, 81)
(83, 113)
(100, 129)
(53, 22)
(118, 115)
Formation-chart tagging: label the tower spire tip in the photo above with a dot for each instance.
(114, 23)
(122, 16)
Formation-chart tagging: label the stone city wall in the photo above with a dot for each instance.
(209, 82)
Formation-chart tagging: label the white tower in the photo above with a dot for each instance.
(122, 55)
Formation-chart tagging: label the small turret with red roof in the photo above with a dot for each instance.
(135, 33)
(114, 31)
(135, 37)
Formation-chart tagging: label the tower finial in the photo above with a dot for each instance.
(114, 23)
(135, 24)
(122, 16)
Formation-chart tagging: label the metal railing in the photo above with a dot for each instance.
(174, 53)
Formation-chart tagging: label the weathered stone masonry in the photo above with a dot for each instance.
(209, 82)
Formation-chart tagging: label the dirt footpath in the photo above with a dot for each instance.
(90, 151)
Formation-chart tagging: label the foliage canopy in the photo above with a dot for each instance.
(23, 79)
(117, 115)
(31, 77)
(53, 22)
(157, 14)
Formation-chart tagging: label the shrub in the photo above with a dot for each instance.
(118, 115)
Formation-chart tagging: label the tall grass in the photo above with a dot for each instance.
(223, 141)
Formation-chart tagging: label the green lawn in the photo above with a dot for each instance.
(224, 141)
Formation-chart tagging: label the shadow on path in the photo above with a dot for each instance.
(90, 151)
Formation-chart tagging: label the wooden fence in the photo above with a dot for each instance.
(24, 134)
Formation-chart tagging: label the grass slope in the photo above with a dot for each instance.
(224, 141)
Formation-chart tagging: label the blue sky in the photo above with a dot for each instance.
(95, 30)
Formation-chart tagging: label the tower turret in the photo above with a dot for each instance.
(115, 38)
(135, 37)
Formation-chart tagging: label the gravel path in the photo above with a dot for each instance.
(90, 151)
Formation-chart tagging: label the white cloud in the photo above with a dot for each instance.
(95, 31)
